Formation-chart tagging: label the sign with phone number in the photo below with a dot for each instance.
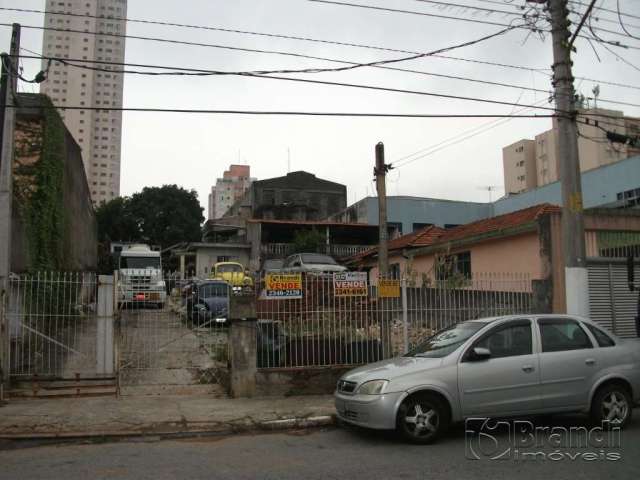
(283, 286)
(350, 284)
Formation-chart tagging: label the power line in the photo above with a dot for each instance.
(282, 112)
(531, 27)
(247, 32)
(624, 14)
(182, 71)
(425, 14)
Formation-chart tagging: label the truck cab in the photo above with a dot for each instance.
(140, 277)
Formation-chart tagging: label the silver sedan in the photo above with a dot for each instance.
(496, 367)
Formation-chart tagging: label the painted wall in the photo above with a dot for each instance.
(506, 258)
(599, 187)
(206, 257)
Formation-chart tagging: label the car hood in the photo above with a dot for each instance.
(391, 368)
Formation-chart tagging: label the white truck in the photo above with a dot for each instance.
(140, 280)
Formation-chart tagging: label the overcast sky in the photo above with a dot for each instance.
(193, 150)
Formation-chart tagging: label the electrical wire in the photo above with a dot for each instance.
(530, 27)
(181, 71)
(263, 34)
(283, 112)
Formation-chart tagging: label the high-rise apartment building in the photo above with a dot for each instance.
(533, 163)
(95, 32)
(228, 189)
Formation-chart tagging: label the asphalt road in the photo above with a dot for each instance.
(332, 453)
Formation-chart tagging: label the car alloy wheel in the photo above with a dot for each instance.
(421, 419)
(615, 408)
(611, 406)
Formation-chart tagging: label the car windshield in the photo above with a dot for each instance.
(139, 262)
(317, 258)
(446, 341)
(209, 290)
(230, 268)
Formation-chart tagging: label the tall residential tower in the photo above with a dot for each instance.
(95, 31)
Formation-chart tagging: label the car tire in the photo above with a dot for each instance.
(611, 406)
(422, 418)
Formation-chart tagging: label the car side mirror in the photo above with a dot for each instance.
(479, 354)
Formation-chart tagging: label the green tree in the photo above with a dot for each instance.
(157, 215)
(167, 215)
(307, 241)
(115, 222)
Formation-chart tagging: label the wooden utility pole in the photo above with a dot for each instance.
(380, 172)
(8, 90)
(573, 241)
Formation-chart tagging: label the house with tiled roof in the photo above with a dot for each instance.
(523, 244)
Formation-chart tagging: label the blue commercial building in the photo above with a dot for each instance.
(616, 185)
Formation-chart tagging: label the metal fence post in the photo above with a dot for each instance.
(405, 316)
(104, 338)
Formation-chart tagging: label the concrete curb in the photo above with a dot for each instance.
(162, 432)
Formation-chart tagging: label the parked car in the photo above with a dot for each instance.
(272, 265)
(233, 273)
(312, 263)
(208, 303)
(496, 367)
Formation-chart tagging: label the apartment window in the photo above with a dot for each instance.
(519, 149)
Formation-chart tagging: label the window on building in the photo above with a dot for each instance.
(420, 226)
(454, 265)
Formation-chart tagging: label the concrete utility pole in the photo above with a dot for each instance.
(576, 276)
(8, 90)
(380, 172)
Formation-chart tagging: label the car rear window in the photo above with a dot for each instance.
(602, 338)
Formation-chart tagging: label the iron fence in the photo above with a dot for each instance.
(52, 324)
(324, 328)
(171, 331)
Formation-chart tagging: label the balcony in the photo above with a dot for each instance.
(281, 250)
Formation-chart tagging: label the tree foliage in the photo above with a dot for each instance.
(160, 216)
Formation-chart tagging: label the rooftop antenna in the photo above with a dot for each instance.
(596, 94)
(490, 189)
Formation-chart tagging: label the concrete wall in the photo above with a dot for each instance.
(298, 381)
(206, 257)
(80, 245)
(79, 242)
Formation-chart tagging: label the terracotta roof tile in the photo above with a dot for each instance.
(501, 222)
(435, 235)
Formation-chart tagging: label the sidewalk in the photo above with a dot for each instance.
(159, 415)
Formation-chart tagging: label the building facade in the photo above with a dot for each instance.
(615, 185)
(98, 132)
(229, 189)
(520, 166)
(533, 163)
(296, 196)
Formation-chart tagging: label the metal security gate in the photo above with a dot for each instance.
(611, 303)
(163, 349)
(58, 344)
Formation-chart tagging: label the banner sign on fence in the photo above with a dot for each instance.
(350, 284)
(388, 288)
(283, 286)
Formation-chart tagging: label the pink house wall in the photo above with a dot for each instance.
(510, 255)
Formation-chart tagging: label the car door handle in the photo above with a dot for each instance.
(590, 361)
(527, 368)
